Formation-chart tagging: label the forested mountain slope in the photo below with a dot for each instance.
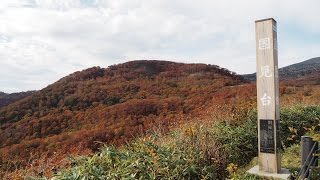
(109, 105)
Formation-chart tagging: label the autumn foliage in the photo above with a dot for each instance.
(113, 105)
(109, 105)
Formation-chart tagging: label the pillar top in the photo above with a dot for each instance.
(267, 19)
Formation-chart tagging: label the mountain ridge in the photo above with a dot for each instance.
(8, 98)
(293, 71)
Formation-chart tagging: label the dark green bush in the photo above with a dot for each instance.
(295, 122)
(240, 137)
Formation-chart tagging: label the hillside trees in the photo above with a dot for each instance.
(110, 105)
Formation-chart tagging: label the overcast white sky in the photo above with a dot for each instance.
(42, 41)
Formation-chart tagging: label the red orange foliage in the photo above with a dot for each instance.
(108, 105)
(115, 104)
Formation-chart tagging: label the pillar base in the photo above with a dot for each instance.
(284, 174)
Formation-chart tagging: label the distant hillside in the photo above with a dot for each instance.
(6, 99)
(109, 105)
(308, 67)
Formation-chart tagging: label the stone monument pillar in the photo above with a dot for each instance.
(268, 96)
(268, 101)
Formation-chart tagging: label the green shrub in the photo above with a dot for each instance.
(142, 160)
(297, 121)
(291, 157)
(240, 139)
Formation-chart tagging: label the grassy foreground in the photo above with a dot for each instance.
(206, 150)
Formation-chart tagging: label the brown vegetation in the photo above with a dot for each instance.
(113, 105)
(109, 105)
